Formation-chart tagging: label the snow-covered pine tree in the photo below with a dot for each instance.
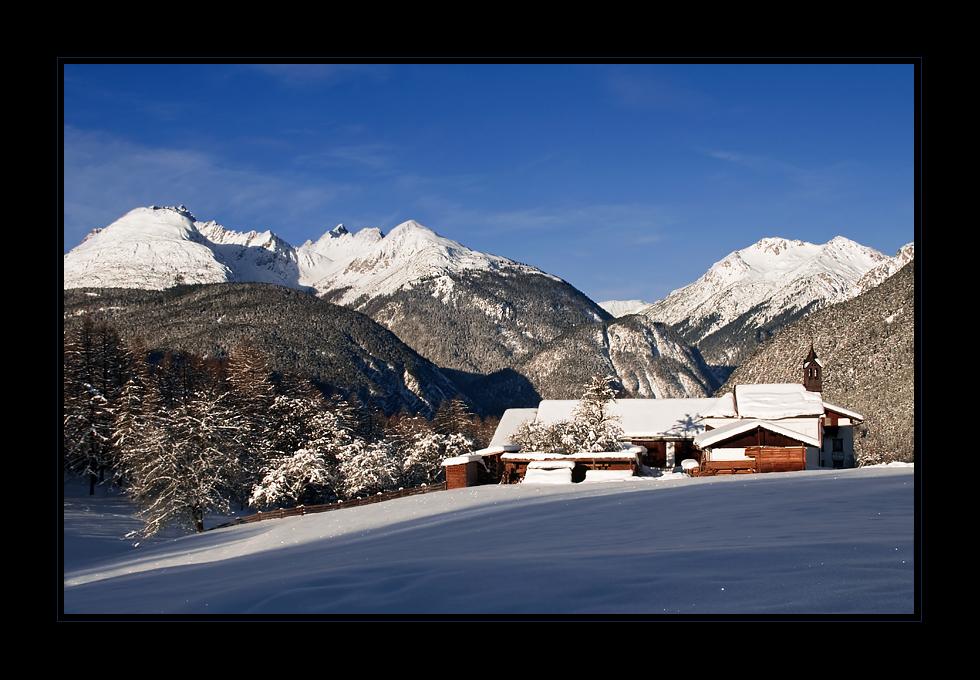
(188, 462)
(368, 468)
(138, 409)
(595, 428)
(93, 375)
(422, 461)
(592, 429)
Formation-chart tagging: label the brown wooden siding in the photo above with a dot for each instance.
(656, 455)
(684, 450)
(778, 459)
(757, 437)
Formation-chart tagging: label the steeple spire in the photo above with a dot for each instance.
(812, 372)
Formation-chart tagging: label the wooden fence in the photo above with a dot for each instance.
(339, 505)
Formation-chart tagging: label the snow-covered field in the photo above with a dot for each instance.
(810, 543)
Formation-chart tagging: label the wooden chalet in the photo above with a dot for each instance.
(788, 421)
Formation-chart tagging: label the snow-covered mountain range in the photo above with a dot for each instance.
(773, 274)
(158, 247)
(465, 310)
(748, 295)
(489, 321)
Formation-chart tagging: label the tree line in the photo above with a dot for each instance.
(185, 435)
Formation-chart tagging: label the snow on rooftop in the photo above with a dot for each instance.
(466, 458)
(843, 411)
(631, 452)
(509, 422)
(774, 401)
(640, 418)
(724, 407)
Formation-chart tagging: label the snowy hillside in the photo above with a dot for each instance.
(884, 270)
(647, 360)
(806, 543)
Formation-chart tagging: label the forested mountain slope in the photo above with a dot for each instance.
(336, 347)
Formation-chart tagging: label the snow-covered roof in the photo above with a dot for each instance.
(625, 454)
(775, 401)
(853, 415)
(724, 407)
(465, 458)
(710, 437)
(509, 422)
(640, 418)
(550, 464)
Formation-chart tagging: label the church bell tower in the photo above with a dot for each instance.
(812, 372)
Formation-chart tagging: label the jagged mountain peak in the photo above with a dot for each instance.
(889, 267)
(776, 245)
(339, 243)
(179, 209)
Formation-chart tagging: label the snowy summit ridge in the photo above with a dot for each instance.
(159, 247)
(774, 273)
(752, 292)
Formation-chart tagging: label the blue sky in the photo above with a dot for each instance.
(628, 181)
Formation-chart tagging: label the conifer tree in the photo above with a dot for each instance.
(252, 397)
(592, 428)
(188, 462)
(596, 428)
(93, 375)
(138, 410)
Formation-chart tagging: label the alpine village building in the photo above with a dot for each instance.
(755, 428)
